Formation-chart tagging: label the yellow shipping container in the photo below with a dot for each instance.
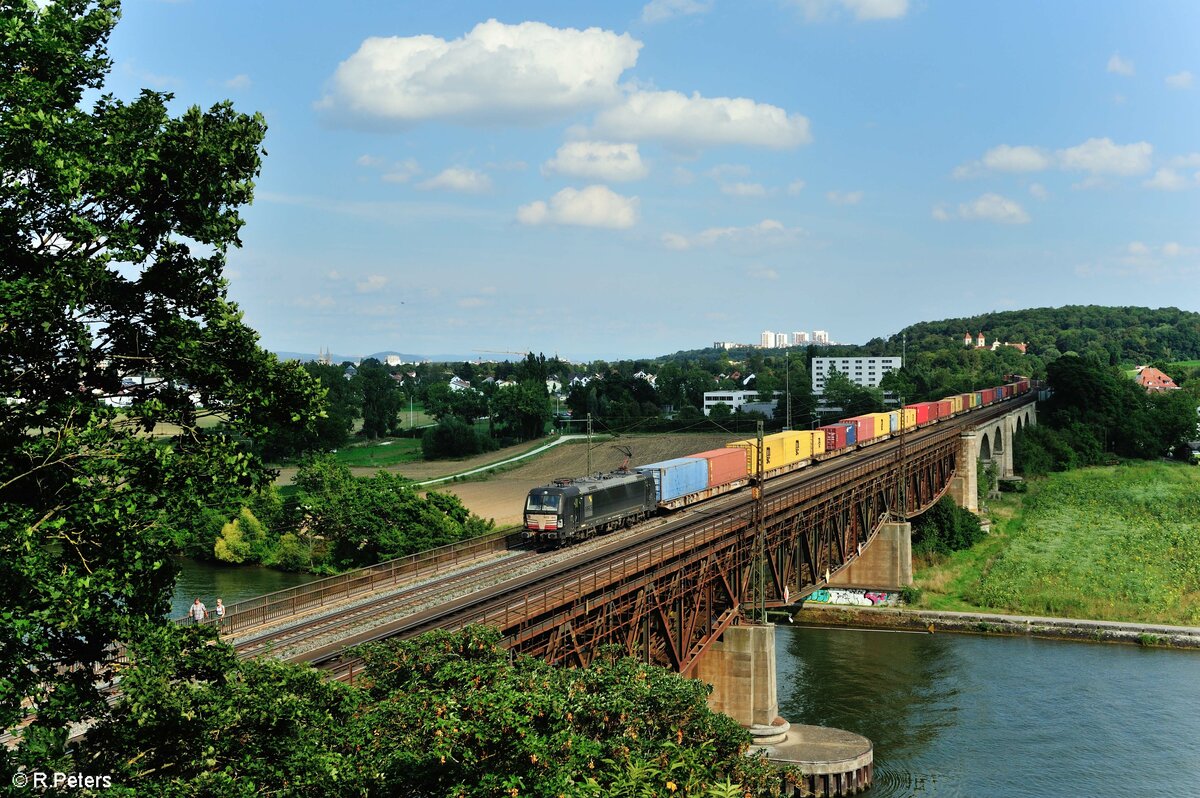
(910, 417)
(774, 452)
(781, 449)
(883, 426)
(955, 403)
(818, 441)
(973, 400)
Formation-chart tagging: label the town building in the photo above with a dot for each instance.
(737, 400)
(1154, 381)
(799, 338)
(864, 371)
(820, 337)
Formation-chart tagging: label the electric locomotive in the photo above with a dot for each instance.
(570, 510)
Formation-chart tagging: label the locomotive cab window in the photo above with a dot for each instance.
(543, 502)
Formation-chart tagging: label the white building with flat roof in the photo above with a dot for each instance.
(820, 336)
(799, 338)
(767, 339)
(735, 400)
(864, 371)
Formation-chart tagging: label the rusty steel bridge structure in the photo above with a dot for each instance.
(665, 593)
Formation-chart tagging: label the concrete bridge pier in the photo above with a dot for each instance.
(964, 487)
(886, 562)
(740, 666)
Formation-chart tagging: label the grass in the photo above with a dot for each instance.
(381, 453)
(1115, 543)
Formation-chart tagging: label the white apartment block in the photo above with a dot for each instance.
(731, 399)
(864, 371)
(781, 340)
(799, 338)
(820, 336)
(767, 339)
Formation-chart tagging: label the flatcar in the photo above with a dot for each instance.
(575, 509)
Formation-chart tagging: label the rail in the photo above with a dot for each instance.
(292, 601)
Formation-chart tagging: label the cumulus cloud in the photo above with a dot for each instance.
(597, 160)
(676, 119)
(1016, 159)
(401, 171)
(768, 230)
(1119, 65)
(1103, 156)
(1038, 191)
(863, 10)
(593, 206)
(662, 10)
(521, 73)
(458, 178)
(372, 283)
(744, 189)
(1188, 161)
(795, 187)
(239, 82)
(1167, 180)
(844, 197)
(762, 273)
(1180, 80)
(987, 208)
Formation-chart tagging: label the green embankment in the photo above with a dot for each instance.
(1118, 543)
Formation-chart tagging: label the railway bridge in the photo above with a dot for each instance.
(667, 591)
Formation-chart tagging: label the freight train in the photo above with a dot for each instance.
(575, 509)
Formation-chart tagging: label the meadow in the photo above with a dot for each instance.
(1118, 543)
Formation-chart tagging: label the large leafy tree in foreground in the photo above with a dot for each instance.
(115, 221)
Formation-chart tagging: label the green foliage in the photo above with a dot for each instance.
(242, 539)
(453, 437)
(1114, 543)
(853, 399)
(945, 528)
(521, 411)
(381, 399)
(115, 221)
(370, 520)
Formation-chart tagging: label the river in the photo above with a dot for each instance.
(960, 716)
(210, 581)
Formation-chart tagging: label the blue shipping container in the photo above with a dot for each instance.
(678, 477)
(851, 433)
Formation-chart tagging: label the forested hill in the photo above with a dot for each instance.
(1115, 334)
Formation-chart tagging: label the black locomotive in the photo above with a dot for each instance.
(570, 510)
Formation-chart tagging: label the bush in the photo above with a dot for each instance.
(944, 528)
(453, 437)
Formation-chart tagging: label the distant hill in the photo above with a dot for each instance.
(1116, 334)
(304, 357)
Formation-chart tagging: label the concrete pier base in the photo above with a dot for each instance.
(741, 668)
(885, 563)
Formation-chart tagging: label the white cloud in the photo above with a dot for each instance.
(844, 197)
(1172, 249)
(1186, 161)
(795, 187)
(370, 160)
(374, 282)
(1103, 156)
(761, 273)
(1016, 159)
(660, 10)
(744, 189)
(239, 82)
(1167, 180)
(594, 206)
(768, 230)
(401, 171)
(471, 302)
(1119, 65)
(597, 160)
(1038, 191)
(696, 121)
(1137, 248)
(520, 74)
(458, 178)
(1180, 80)
(863, 10)
(724, 170)
(987, 208)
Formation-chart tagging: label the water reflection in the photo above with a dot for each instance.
(210, 581)
(966, 716)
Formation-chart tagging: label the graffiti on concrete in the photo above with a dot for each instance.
(855, 597)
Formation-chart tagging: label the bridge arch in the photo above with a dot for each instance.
(985, 449)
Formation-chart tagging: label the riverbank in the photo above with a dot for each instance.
(1114, 543)
(989, 623)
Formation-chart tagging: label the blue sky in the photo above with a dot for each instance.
(612, 180)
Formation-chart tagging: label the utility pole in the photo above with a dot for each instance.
(589, 444)
(903, 492)
(787, 381)
(760, 535)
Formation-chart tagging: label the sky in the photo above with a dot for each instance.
(620, 180)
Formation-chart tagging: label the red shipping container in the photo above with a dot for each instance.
(945, 409)
(967, 398)
(864, 427)
(835, 436)
(926, 411)
(724, 465)
(1008, 391)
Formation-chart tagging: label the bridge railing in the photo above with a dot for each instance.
(311, 596)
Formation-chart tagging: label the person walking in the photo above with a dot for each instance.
(198, 611)
(220, 613)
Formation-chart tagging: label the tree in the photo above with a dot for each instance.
(522, 410)
(115, 222)
(381, 399)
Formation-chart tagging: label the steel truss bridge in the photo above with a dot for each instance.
(665, 594)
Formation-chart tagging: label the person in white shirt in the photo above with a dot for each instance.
(198, 611)
(220, 613)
